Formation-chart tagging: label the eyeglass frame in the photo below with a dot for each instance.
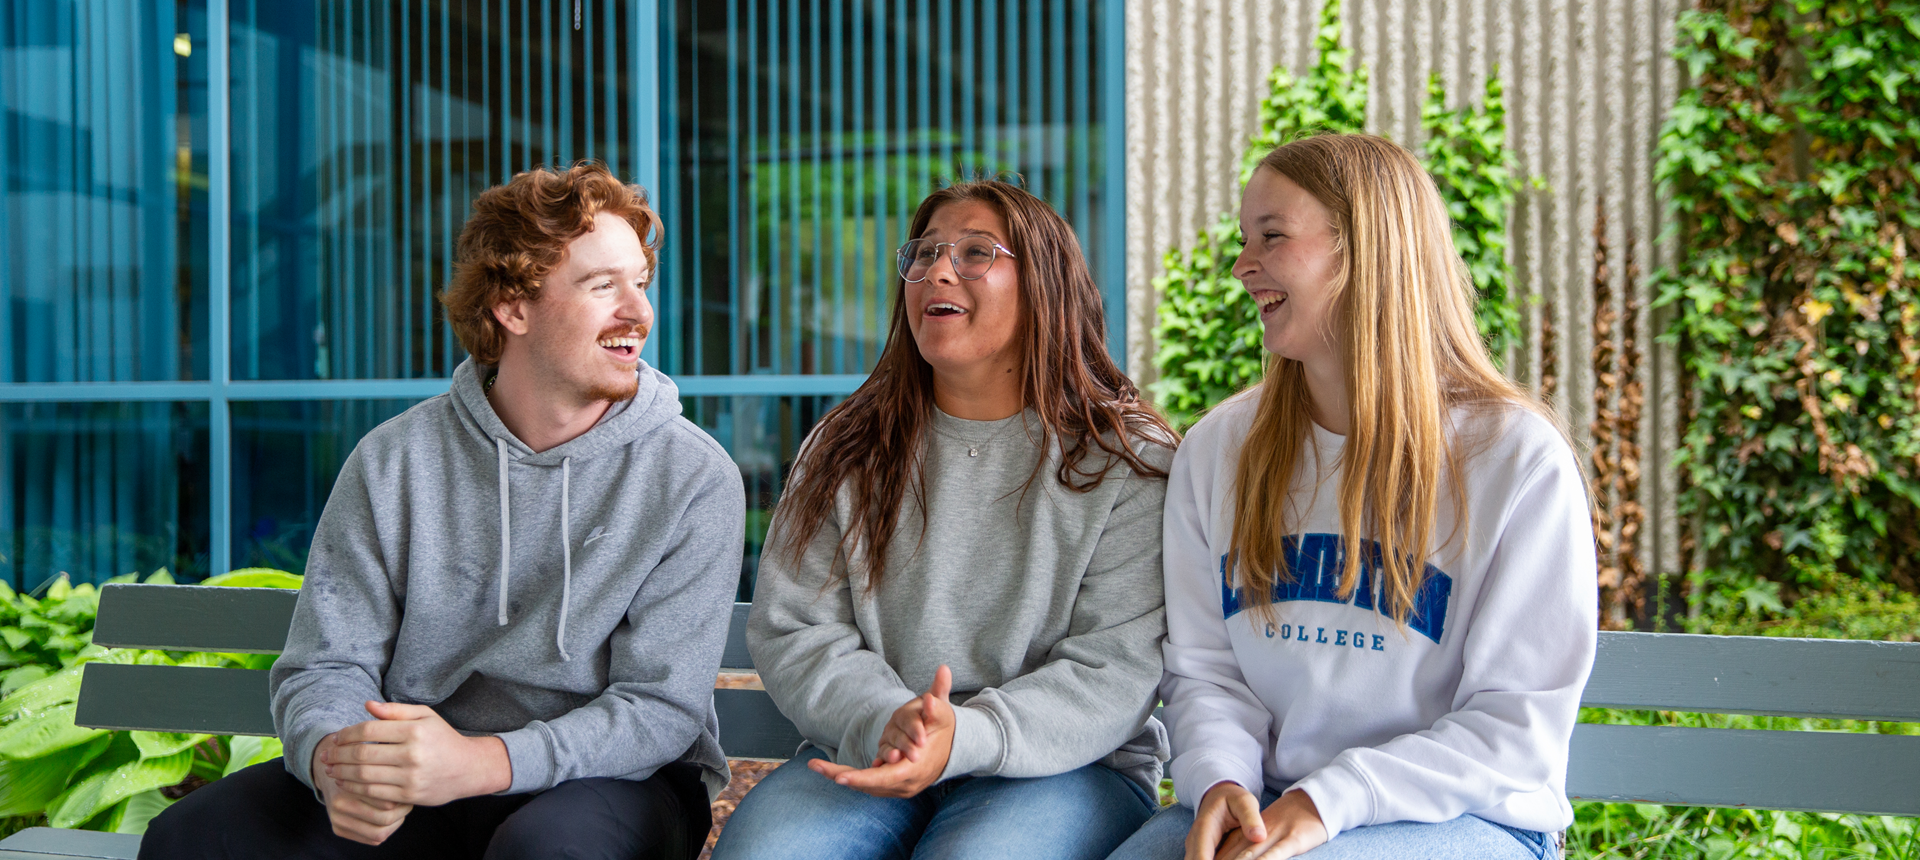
(900, 254)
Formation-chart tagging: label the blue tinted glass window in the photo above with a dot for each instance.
(361, 134)
(103, 206)
(100, 489)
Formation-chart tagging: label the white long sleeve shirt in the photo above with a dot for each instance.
(1467, 709)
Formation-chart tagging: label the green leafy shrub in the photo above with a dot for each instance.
(1791, 166)
(97, 779)
(1208, 332)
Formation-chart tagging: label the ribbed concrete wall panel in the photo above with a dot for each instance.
(1588, 83)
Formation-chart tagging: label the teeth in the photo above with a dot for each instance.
(1271, 303)
(620, 341)
(943, 306)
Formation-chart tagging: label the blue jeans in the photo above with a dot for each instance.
(1464, 838)
(794, 812)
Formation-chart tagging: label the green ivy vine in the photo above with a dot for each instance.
(1791, 166)
(1208, 333)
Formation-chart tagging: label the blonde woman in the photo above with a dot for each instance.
(1379, 563)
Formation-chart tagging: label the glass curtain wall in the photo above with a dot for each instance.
(805, 134)
(211, 294)
(103, 282)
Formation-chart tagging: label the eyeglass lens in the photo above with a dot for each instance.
(971, 257)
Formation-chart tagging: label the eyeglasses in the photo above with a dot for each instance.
(971, 256)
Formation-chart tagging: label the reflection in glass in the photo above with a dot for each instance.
(804, 136)
(103, 206)
(100, 489)
(763, 434)
(285, 458)
(361, 134)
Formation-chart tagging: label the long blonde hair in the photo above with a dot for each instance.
(1403, 312)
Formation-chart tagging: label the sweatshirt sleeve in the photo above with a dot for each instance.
(1096, 689)
(664, 658)
(810, 652)
(344, 624)
(1220, 729)
(1529, 647)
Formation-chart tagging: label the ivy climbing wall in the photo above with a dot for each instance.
(1587, 86)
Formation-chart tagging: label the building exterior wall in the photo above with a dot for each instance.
(1587, 86)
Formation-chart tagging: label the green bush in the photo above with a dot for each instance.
(1791, 166)
(95, 779)
(1208, 332)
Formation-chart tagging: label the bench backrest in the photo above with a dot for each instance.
(1825, 771)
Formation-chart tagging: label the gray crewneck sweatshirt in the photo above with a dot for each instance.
(1047, 606)
(573, 602)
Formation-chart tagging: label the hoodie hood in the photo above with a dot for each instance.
(655, 402)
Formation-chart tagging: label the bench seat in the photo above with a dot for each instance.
(1815, 771)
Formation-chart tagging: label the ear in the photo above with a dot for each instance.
(512, 316)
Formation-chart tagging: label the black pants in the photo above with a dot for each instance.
(263, 811)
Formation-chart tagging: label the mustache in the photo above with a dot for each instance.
(639, 331)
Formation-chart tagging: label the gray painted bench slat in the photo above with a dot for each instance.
(44, 843)
(174, 699)
(1819, 771)
(1830, 678)
(194, 618)
(1815, 771)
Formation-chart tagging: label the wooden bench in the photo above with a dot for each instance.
(1822, 771)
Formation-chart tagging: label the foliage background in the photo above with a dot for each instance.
(54, 772)
(1208, 330)
(1790, 163)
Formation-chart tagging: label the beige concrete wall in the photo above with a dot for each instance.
(1587, 86)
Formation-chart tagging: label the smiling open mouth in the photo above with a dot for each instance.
(943, 309)
(1271, 301)
(627, 348)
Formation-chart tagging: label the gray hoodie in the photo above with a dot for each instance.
(573, 602)
(1046, 603)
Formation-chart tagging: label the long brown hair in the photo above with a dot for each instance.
(1403, 315)
(871, 443)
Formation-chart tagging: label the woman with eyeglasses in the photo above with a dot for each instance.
(959, 604)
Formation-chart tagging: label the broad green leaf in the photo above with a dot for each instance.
(61, 686)
(95, 793)
(162, 744)
(37, 733)
(59, 589)
(138, 810)
(255, 577)
(27, 785)
(160, 577)
(16, 637)
(247, 751)
(14, 679)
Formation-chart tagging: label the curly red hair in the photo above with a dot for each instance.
(516, 236)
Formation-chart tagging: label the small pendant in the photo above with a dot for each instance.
(973, 452)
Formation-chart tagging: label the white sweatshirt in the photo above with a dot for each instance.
(1468, 709)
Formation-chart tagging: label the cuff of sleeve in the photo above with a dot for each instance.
(299, 740)
(979, 745)
(1341, 795)
(530, 755)
(1196, 772)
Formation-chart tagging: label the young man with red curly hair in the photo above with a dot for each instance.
(518, 594)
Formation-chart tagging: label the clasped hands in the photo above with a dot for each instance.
(1230, 825)
(914, 747)
(374, 773)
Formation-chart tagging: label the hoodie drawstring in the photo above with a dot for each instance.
(506, 527)
(566, 544)
(566, 558)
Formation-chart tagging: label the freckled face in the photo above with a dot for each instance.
(1290, 266)
(963, 325)
(585, 331)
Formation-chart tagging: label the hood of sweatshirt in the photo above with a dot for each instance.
(656, 401)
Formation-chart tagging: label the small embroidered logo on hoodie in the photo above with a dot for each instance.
(597, 533)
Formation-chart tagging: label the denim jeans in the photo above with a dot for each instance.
(796, 813)
(1464, 838)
